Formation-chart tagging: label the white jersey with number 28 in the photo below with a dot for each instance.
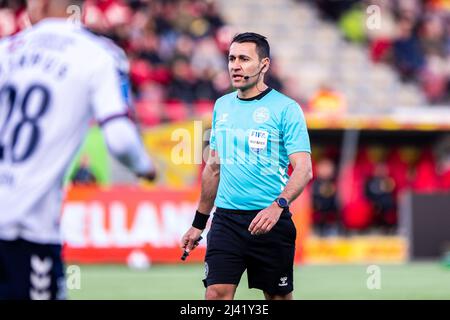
(54, 79)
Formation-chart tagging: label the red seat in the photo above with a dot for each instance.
(148, 114)
(175, 111)
(203, 108)
(356, 209)
(445, 180)
(426, 179)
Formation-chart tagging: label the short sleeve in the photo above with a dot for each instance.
(295, 131)
(106, 91)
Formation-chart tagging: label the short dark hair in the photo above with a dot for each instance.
(262, 46)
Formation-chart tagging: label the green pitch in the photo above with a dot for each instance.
(172, 282)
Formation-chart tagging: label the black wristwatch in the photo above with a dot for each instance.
(282, 203)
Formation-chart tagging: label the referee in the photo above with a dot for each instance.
(256, 133)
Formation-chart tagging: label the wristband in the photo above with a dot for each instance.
(200, 220)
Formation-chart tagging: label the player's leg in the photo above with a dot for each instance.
(269, 296)
(4, 287)
(271, 260)
(15, 271)
(46, 272)
(224, 260)
(220, 292)
(31, 271)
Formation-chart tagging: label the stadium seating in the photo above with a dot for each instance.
(313, 52)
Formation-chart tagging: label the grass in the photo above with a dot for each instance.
(427, 280)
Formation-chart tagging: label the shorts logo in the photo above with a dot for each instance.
(40, 278)
(206, 269)
(261, 115)
(283, 282)
(257, 140)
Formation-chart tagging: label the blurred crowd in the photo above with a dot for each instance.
(412, 35)
(177, 51)
(178, 48)
(363, 196)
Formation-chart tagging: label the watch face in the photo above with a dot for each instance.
(282, 202)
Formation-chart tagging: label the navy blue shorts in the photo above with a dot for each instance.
(31, 271)
(268, 258)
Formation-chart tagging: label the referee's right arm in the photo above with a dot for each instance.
(210, 183)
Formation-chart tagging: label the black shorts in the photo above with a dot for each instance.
(268, 258)
(31, 271)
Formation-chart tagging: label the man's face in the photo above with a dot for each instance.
(243, 60)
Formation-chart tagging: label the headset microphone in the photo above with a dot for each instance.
(256, 74)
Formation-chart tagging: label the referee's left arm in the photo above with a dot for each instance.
(300, 177)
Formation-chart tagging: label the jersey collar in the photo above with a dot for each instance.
(60, 22)
(258, 97)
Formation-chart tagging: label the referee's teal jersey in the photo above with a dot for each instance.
(253, 139)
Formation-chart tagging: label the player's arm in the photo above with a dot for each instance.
(124, 143)
(210, 183)
(111, 111)
(300, 177)
(209, 186)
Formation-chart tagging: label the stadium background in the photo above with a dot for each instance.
(373, 78)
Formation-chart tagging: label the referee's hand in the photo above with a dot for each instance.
(189, 240)
(149, 176)
(265, 220)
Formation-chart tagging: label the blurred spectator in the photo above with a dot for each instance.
(326, 99)
(174, 51)
(442, 152)
(207, 57)
(205, 89)
(182, 86)
(150, 103)
(438, 4)
(177, 50)
(84, 175)
(402, 162)
(352, 23)
(13, 17)
(380, 190)
(445, 173)
(408, 55)
(334, 9)
(413, 36)
(434, 79)
(272, 77)
(432, 35)
(426, 178)
(382, 36)
(325, 208)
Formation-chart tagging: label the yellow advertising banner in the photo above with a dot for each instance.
(177, 150)
(360, 249)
